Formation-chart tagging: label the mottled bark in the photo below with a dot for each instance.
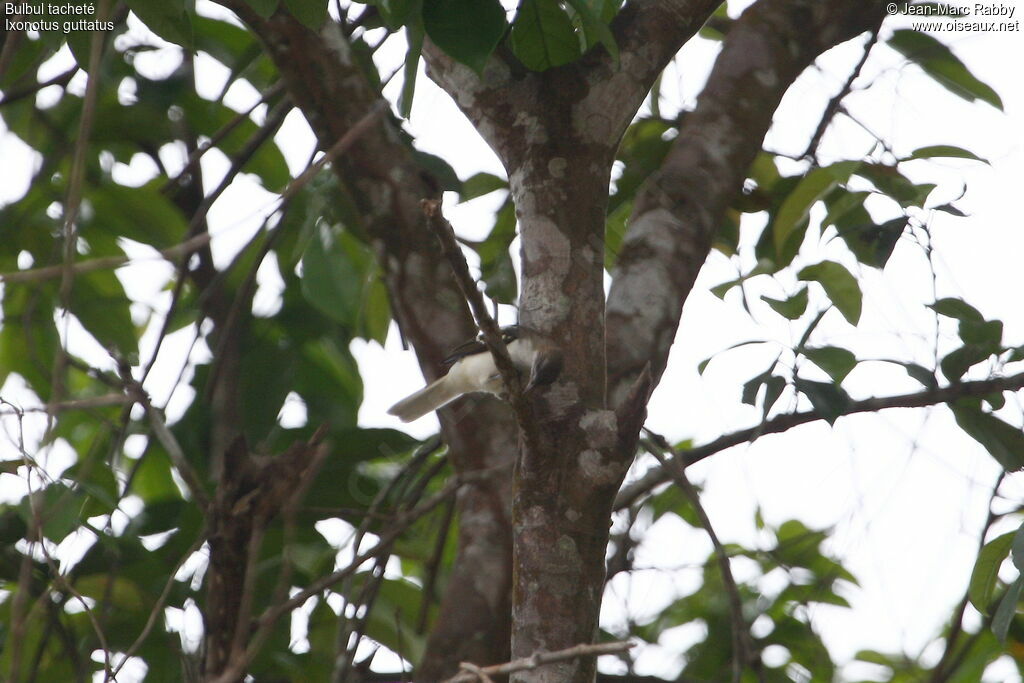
(676, 214)
(556, 133)
(327, 82)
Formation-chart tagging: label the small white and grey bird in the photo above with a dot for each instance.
(473, 370)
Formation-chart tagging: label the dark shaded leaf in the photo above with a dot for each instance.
(791, 308)
(959, 309)
(986, 571)
(957, 362)
(835, 361)
(828, 400)
(1017, 549)
(1007, 610)
(410, 71)
(936, 60)
(933, 151)
(840, 286)
(468, 30)
(543, 35)
(312, 13)
(481, 184)
(264, 8)
(1003, 441)
(169, 19)
(873, 244)
(595, 26)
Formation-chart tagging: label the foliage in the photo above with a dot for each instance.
(122, 498)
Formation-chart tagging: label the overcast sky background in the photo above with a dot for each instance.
(906, 491)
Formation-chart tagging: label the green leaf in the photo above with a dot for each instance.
(468, 30)
(595, 28)
(481, 184)
(986, 571)
(957, 362)
(1007, 610)
(264, 8)
(142, 214)
(932, 151)
(440, 169)
(957, 308)
(988, 334)
(59, 508)
(835, 361)
(936, 60)
(827, 399)
(773, 388)
(496, 268)
(814, 186)
(312, 13)
(335, 271)
(169, 19)
(99, 302)
(841, 202)
(840, 286)
(28, 338)
(543, 35)
(895, 185)
(1017, 549)
(414, 36)
(762, 268)
(791, 308)
(1004, 442)
(873, 244)
(920, 373)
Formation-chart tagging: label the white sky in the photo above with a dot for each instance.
(906, 491)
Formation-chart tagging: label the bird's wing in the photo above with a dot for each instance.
(469, 348)
(474, 346)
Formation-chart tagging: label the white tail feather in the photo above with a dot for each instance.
(431, 397)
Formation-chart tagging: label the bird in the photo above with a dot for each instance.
(472, 369)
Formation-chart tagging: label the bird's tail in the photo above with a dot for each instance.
(431, 397)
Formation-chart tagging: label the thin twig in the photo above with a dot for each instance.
(744, 653)
(219, 135)
(51, 272)
(832, 108)
(60, 79)
(90, 403)
(170, 444)
(264, 624)
(158, 606)
(492, 335)
(474, 673)
(781, 423)
(74, 201)
(951, 659)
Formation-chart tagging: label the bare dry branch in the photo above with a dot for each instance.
(781, 423)
(473, 673)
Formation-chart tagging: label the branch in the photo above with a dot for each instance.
(482, 673)
(442, 229)
(51, 272)
(167, 440)
(744, 653)
(74, 200)
(952, 658)
(781, 423)
(832, 108)
(262, 626)
(681, 206)
(21, 93)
